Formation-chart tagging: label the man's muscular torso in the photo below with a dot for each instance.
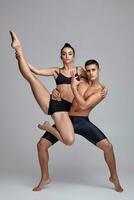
(85, 90)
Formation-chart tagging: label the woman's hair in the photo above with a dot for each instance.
(91, 62)
(67, 45)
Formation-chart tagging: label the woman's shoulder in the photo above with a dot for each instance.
(57, 69)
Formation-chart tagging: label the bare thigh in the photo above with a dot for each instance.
(64, 125)
(40, 93)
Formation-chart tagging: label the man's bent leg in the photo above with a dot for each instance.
(92, 133)
(43, 157)
(43, 145)
(107, 147)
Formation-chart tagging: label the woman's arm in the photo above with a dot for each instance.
(81, 72)
(44, 72)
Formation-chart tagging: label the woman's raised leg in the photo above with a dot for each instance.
(64, 129)
(40, 92)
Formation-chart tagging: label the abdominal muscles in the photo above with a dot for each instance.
(66, 92)
(77, 111)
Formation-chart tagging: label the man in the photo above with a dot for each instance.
(87, 94)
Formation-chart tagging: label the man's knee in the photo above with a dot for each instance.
(43, 145)
(108, 146)
(105, 145)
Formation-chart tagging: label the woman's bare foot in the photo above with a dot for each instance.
(116, 183)
(15, 41)
(42, 184)
(44, 126)
(47, 126)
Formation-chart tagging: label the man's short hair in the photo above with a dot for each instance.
(91, 62)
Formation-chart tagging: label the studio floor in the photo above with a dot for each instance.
(16, 185)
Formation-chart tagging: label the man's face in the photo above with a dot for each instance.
(92, 72)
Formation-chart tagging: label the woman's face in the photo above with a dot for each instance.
(67, 55)
(92, 72)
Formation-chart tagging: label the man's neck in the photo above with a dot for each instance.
(94, 83)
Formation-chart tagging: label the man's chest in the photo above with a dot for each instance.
(87, 91)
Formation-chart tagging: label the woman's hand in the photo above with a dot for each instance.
(75, 80)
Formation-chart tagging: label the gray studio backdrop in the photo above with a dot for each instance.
(99, 29)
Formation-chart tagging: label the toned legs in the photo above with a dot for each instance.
(104, 145)
(43, 156)
(107, 147)
(40, 92)
(64, 125)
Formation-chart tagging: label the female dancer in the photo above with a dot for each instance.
(57, 109)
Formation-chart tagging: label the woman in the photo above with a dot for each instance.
(58, 110)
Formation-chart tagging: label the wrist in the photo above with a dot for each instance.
(74, 87)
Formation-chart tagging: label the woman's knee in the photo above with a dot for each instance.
(69, 140)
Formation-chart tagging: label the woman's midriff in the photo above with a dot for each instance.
(66, 92)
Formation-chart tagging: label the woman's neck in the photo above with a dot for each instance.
(68, 66)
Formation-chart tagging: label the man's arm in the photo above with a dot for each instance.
(91, 101)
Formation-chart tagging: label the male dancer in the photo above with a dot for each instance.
(87, 94)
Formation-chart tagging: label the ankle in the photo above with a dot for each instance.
(114, 176)
(44, 178)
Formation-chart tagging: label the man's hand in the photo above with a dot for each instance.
(104, 92)
(56, 95)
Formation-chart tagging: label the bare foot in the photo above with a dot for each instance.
(15, 41)
(44, 126)
(42, 184)
(116, 183)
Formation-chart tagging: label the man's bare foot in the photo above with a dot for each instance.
(15, 41)
(116, 183)
(42, 184)
(44, 126)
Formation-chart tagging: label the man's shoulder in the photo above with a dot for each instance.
(103, 86)
(83, 83)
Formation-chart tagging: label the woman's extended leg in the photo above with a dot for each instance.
(42, 95)
(64, 130)
(40, 92)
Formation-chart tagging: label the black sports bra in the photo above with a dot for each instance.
(62, 79)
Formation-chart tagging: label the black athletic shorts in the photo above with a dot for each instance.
(83, 127)
(58, 106)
